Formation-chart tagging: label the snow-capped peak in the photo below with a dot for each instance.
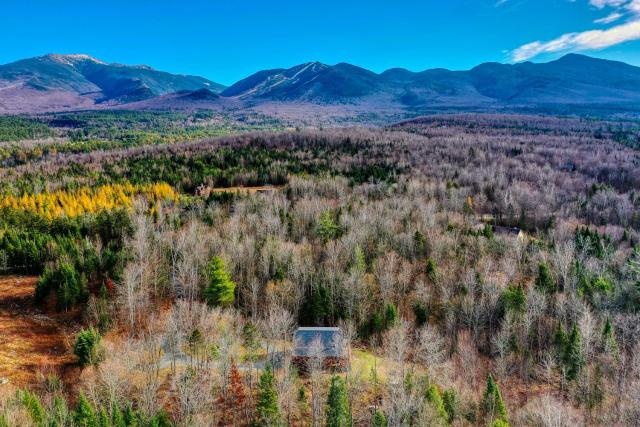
(72, 59)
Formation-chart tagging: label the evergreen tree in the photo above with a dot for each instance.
(602, 284)
(316, 309)
(379, 420)
(159, 420)
(302, 394)
(117, 418)
(421, 313)
(327, 228)
(433, 396)
(419, 244)
(86, 347)
(103, 419)
(590, 285)
(634, 263)
(338, 414)
(596, 393)
(103, 307)
(130, 417)
(360, 262)
(492, 404)
(574, 358)
(390, 315)
(514, 299)
(431, 269)
(377, 323)
(591, 242)
(267, 406)
(609, 342)
(251, 341)
(221, 289)
(196, 341)
(59, 416)
(450, 404)
(34, 408)
(68, 284)
(487, 231)
(560, 341)
(85, 415)
(544, 281)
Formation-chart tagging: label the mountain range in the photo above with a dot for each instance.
(62, 82)
(54, 81)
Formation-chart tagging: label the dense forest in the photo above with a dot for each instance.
(483, 269)
(25, 139)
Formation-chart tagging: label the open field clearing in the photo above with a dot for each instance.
(31, 341)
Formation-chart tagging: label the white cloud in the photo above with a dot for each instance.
(604, 3)
(592, 39)
(634, 7)
(587, 40)
(612, 17)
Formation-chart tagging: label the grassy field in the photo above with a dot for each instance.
(32, 342)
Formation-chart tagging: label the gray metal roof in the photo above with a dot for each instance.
(318, 342)
(506, 230)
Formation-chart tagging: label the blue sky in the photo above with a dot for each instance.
(226, 40)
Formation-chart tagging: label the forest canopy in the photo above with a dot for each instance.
(482, 269)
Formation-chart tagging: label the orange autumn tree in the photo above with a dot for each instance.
(233, 401)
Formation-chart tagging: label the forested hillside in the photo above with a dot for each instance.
(484, 271)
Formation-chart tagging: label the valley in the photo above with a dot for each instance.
(157, 265)
(320, 214)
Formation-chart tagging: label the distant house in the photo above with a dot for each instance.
(205, 191)
(514, 232)
(324, 346)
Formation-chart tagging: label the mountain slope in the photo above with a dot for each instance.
(63, 82)
(572, 79)
(310, 81)
(51, 72)
(81, 76)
